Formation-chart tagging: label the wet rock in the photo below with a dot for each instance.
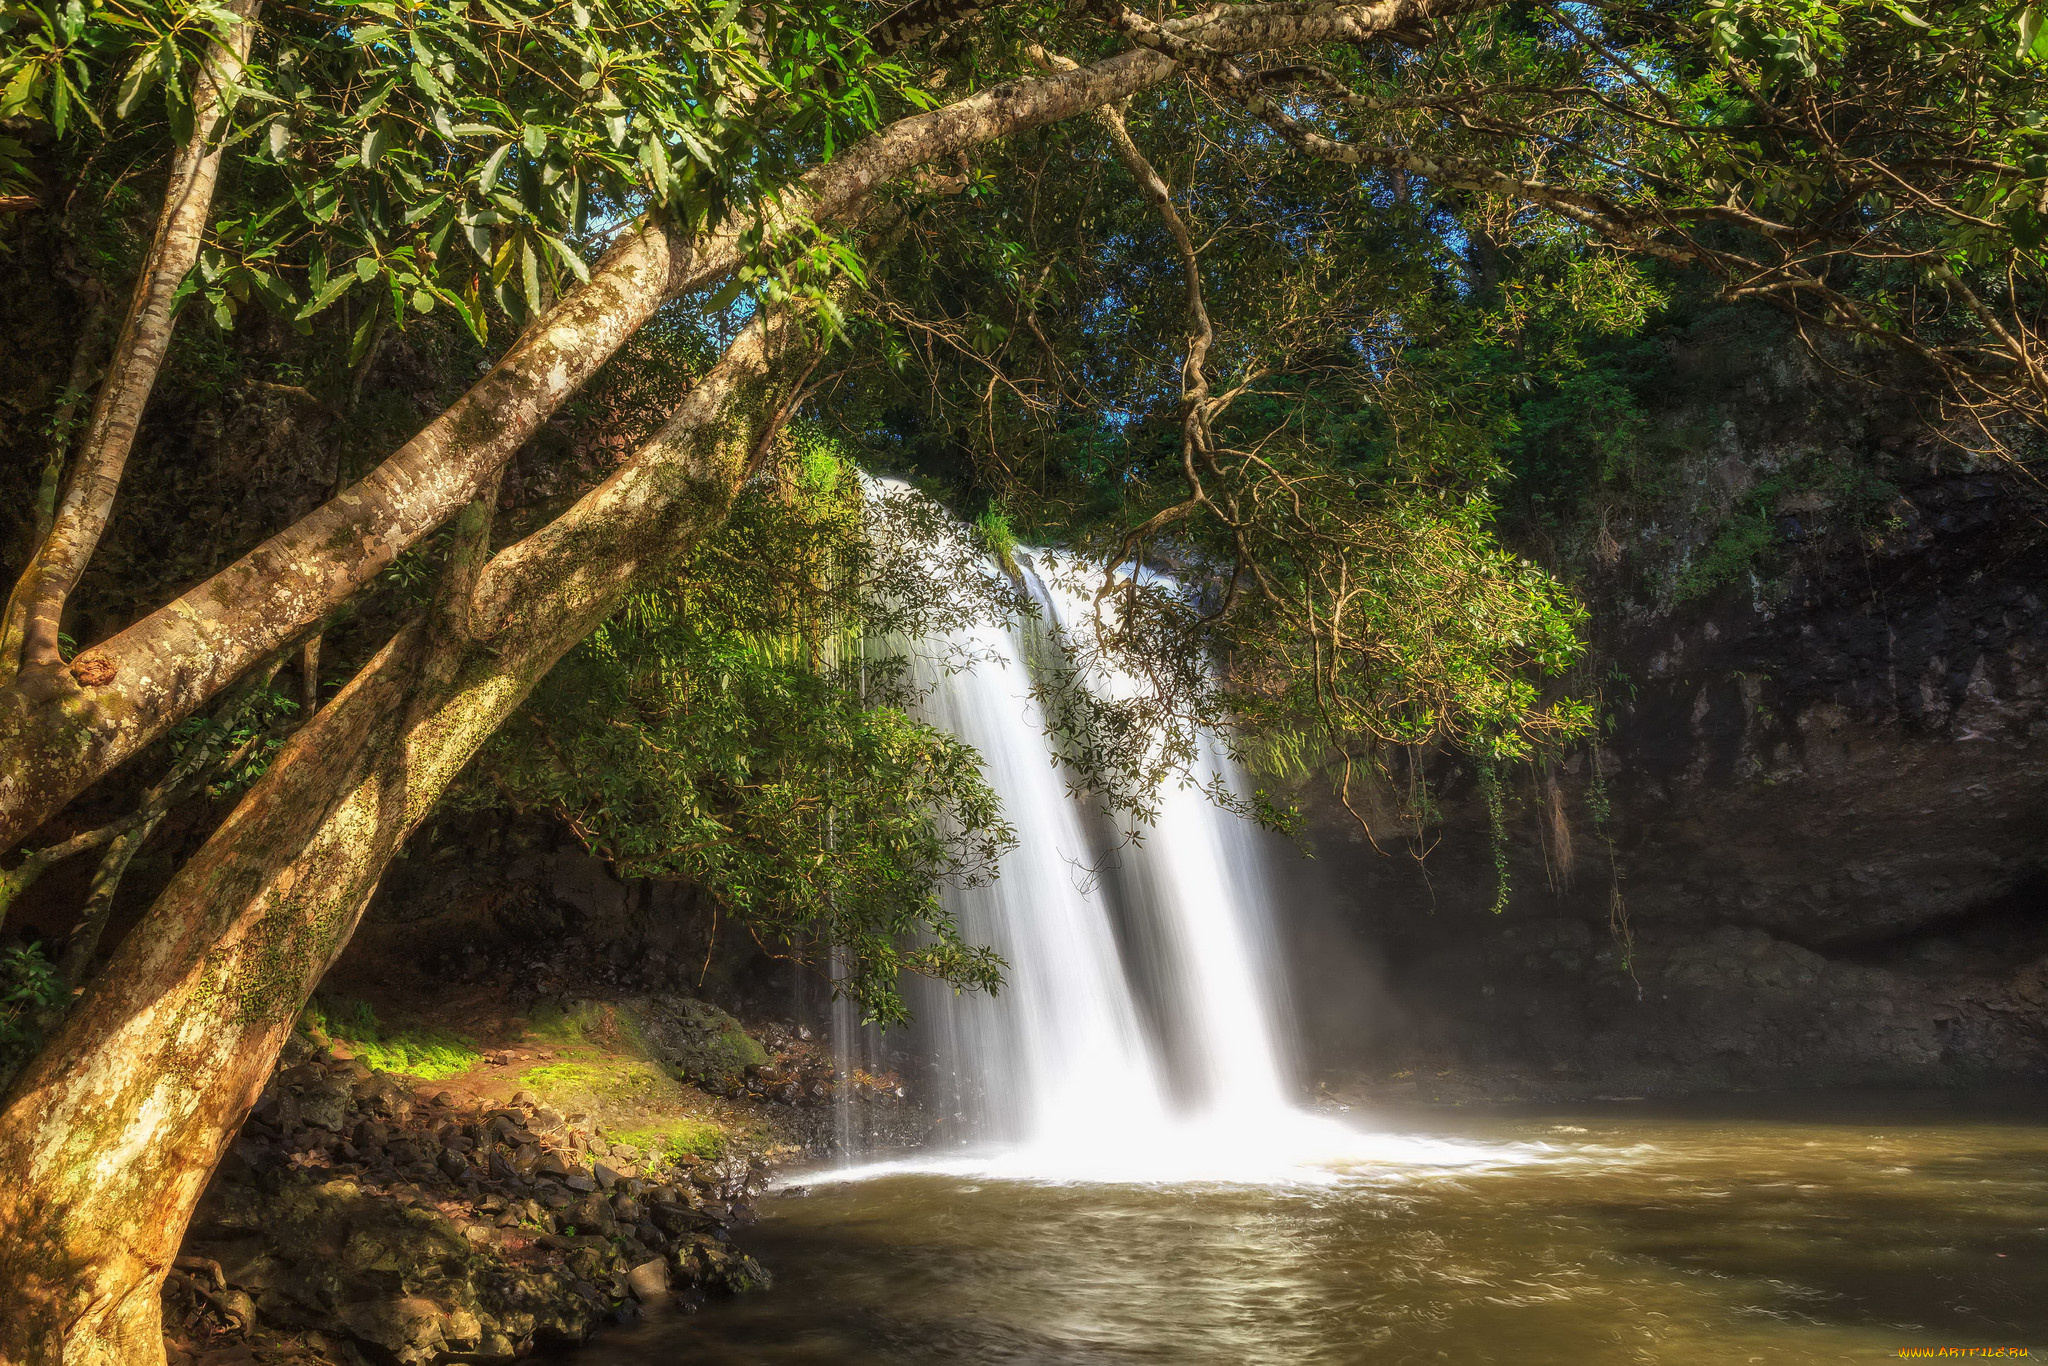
(648, 1281)
(325, 1106)
(366, 1257)
(408, 1329)
(496, 1346)
(591, 1212)
(380, 1094)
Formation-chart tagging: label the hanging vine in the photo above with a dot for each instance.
(1497, 829)
(1601, 809)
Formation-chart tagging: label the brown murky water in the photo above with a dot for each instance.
(1829, 1231)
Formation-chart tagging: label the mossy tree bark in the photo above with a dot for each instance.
(109, 1136)
(62, 728)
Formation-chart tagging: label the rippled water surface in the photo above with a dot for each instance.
(1842, 1233)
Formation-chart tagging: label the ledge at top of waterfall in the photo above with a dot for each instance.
(1143, 1031)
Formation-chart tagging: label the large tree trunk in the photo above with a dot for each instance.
(28, 629)
(61, 729)
(109, 1136)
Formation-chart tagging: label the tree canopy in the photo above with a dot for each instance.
(537, 316)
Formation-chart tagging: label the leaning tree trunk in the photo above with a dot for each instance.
(28, 630)
(61, 729)
(109, 1136)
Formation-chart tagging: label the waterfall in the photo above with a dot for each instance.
(1197, 880)
(1059, 1056)
(1139, 1033)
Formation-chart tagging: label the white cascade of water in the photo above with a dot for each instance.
(1199, 876)
(1057, 1076)
(1058, 1056)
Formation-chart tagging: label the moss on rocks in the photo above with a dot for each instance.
(414, 1051)
(694, 1040)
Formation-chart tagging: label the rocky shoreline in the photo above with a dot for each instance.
(366, 1219)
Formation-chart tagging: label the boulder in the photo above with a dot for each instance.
(408, 1329)
(648, 1281)
(694, 1039)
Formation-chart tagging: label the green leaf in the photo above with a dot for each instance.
(422, 300)
(20, 93)
(370, 108)
(2030, 33)
(366, 331)
(429, 85)
(275, 292)
(476, 230)
(335, 288)
(320, 200)
(469, 318)
(569, 258)
(530, 276)
(375, 141)
(726, 295)
(655, 158)
(141, 76)
(488, 175)
(179, 110)
(535, 140)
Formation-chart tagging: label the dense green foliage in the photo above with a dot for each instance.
(30, 988)
(1369, 385)
(732, 726)
(436, 157)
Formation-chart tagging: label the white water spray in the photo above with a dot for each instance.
(1064, 1075)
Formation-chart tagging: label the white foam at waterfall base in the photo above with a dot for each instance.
(1290, 1147)
(1055, 1078)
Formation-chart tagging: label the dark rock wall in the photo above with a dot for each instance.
(1828, 783)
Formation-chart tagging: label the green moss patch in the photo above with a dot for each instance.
(696, 1139)
(614, 1081)
(414, 1051)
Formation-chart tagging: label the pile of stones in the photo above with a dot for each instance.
(352, 1222)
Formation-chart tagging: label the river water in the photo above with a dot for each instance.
(1824, 1230)
(1138, 1184)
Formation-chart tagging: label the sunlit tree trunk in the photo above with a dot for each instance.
(109, 1136)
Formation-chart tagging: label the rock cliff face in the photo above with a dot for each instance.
(1826, 781)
